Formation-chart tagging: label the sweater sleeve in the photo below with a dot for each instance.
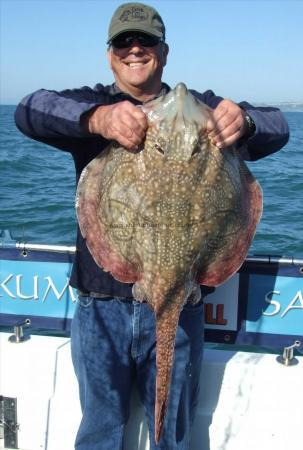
(271, 134)
(54, 118)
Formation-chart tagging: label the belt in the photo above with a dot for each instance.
(97, 295)
(101, 296)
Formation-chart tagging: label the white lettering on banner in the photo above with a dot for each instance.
(51, 285)
(292, 305)
(297, 297)
(3, 283)
(268, 299)
(71, 293)
(18, 288)
(15, 282)
(58, 294)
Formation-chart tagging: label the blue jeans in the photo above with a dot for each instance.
(113, 345)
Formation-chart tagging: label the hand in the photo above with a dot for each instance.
(122, 122)
(226, 124)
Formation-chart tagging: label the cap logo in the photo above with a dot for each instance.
(134, 14)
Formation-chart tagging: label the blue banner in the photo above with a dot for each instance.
(279, 305)
(29, 288)
(261, 304)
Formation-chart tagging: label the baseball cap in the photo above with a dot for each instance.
(136, 17)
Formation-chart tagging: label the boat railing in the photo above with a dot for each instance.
(6, 241)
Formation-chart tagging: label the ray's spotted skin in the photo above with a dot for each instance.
(178, 213)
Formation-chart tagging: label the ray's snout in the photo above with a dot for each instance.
(181, 90)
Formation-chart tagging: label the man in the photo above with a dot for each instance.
(113, 336)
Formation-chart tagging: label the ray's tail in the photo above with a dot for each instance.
(167, 322)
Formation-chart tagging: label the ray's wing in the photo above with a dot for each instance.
(99, 216)
(228, 252)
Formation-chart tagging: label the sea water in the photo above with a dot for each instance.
(37, 191)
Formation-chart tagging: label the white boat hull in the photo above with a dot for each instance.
(252, 401)
(248, 401)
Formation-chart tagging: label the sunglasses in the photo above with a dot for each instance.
(127, 40)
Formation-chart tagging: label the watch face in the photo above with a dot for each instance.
(250, 124)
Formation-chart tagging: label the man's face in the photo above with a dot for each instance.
(138, 68)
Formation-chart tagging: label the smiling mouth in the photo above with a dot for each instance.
(134, 65)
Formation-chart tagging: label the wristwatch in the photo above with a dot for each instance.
(250, 125)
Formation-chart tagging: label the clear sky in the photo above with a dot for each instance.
(242, 49)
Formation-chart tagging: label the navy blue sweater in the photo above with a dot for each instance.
(54, 118)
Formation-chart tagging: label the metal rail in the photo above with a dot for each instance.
(46, 248)
(6, 241)
(266, 259)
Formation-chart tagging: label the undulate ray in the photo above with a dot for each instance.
(179, 213)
